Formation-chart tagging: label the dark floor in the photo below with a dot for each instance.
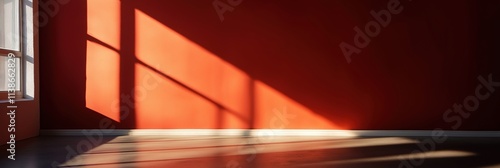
(240, 152)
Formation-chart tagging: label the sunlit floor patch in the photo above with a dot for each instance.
(115, 153)
(425, 155)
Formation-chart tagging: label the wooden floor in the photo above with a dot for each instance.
(256, 152)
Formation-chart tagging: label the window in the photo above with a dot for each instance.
(15, 47)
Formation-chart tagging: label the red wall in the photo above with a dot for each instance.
(174, 64)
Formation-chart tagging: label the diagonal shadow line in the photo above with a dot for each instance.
(243, 118)
(95, 40)
(220, 106)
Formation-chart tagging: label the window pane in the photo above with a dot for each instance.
(28, 50)
(9, 24)
(7, 71)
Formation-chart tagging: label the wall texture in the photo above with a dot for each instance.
(271, 64)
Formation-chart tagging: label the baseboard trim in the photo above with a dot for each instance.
(266, 132)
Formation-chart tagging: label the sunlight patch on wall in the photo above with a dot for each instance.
(199, 70)
(102, 80)
(161, 103)
(200, 90)
(103, 60)
(276, 111)
(103, 21)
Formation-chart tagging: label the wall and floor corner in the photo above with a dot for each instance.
(270, 65)
(228, 75)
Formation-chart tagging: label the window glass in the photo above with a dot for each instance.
(9, 25)
(10, 72)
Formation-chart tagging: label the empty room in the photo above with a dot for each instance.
(249, 83)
